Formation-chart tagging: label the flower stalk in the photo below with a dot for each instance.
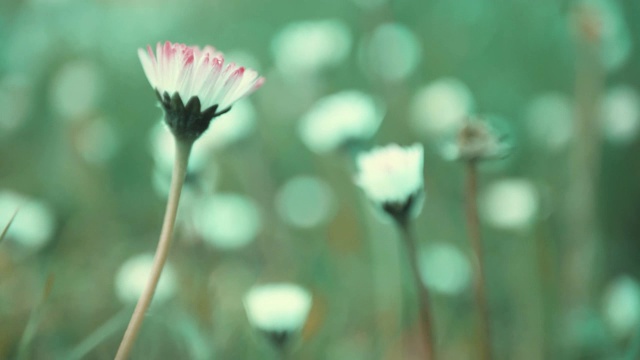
(475, 238)
(183, 149)
(424, 306)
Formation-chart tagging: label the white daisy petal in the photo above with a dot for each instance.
(191, 71)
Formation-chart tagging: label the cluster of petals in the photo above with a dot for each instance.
(391, 174)
(338, 119)
(190, 71)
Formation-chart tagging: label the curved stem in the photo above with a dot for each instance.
(426, 320)
(183, 149)
(473, 228)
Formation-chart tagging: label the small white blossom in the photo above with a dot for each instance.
(440, 108)
(278, 307)
(305, 202)
(622, 306)
(510, 204)
(444, 268)
(392, 52)
(227, 221)
(620, 114)
(338, 119)
(310, 46)
(33, 224)
(392, 178)
(549, 121)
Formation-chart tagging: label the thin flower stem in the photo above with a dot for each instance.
(473, 228)
(183, 149)
(426, 320)
(384, 270)
(24, 350)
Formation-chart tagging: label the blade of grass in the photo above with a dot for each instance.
(6, 228)
(34, 320)
(112, 326)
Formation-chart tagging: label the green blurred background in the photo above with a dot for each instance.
(80, 151)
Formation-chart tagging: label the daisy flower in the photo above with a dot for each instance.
(278, 310)
(391, 177)
(195, 85)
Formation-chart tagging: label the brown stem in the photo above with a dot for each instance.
(475, 238)
(581, 241)
(426, 320)
(183, 149)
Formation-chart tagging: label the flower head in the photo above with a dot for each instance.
(277, 309)
(391, 177)
(339, 119)
(477, 140)
(195, 85)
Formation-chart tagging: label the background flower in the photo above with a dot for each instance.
(340, 119)
(392, 175)
(278, 307)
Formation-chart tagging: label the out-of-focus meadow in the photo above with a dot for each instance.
(84, 156)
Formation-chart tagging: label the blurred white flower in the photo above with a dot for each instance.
(440, 108)
(305, 201)
(392, 53)
(621, 306)
(230, 127)
(337, 119)
(444, 269)
(509, 203)
(76, 89)
(134, 274)
(549, 121)
(620, 114)
(602, 22)
(309, 46)
(277, 307)
(391, 177)
(227, 221)
(33, 225)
